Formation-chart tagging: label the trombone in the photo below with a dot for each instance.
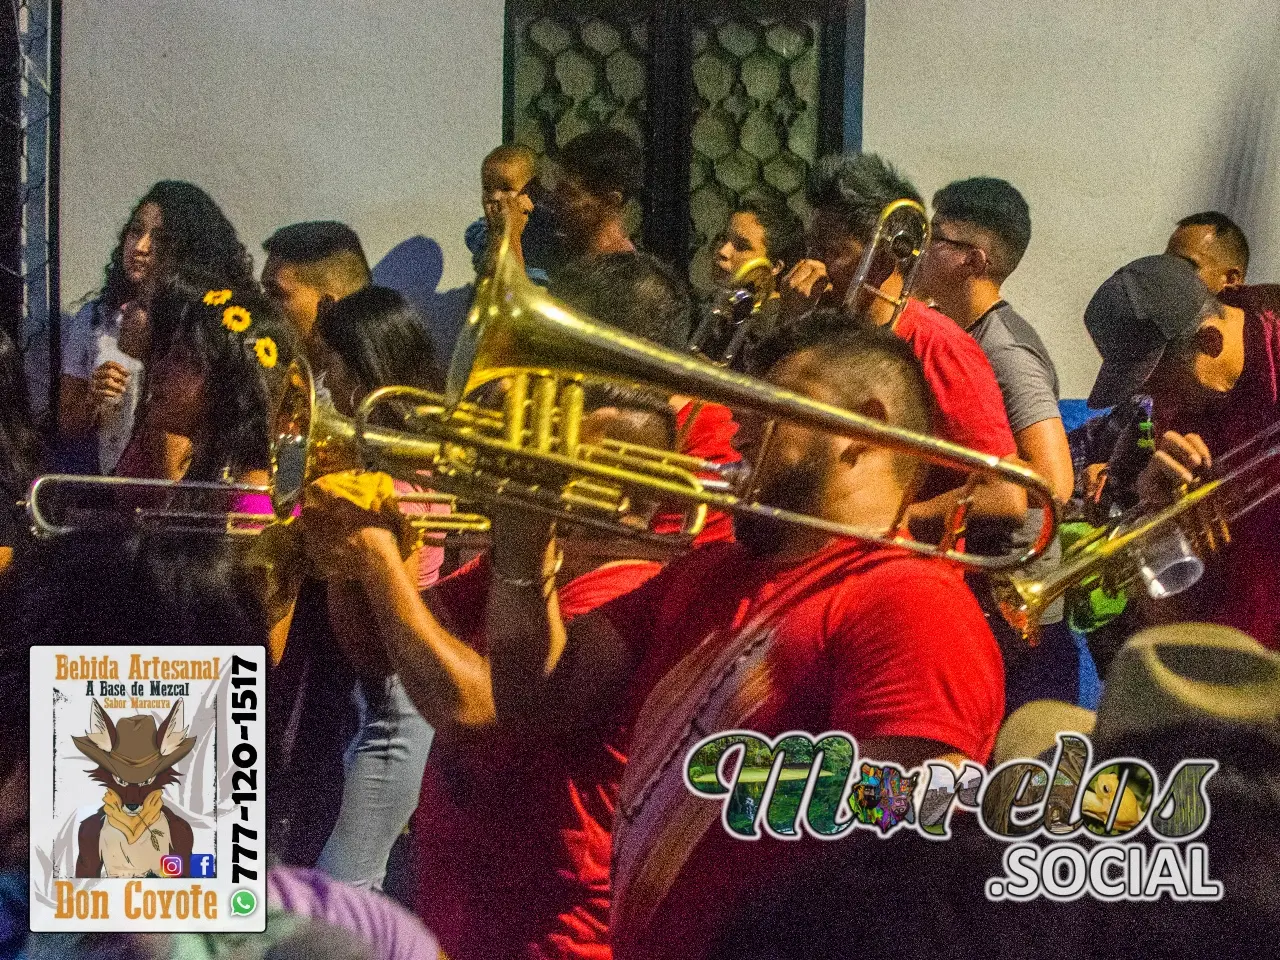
(207, 508)
(1164, 550)
(735, 313)
(902, 233)
(531, 451)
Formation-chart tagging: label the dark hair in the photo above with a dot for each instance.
(237, 383)
(853, 362)
(314, 241)
(857, 186)
(380, 339)
(1226, 232)
(195, 238)
(996, 206)
(604, 160)
(139, 589)
(783, 230)
(21, 451)
(632, 291)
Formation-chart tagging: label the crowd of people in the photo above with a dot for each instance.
(496, 737)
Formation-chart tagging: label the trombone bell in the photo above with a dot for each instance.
(516, 331)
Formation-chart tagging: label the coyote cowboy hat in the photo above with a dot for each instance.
(134, 750)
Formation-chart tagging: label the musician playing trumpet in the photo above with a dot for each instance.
(1209, 368)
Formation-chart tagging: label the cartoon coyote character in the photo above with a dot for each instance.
(133, 829)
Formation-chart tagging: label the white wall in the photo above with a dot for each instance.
(375, 112)
(1114, 118)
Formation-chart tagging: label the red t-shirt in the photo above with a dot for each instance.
(969, 405)
(872, 641)
(709, 438)
(1241, 586)
(512, 845)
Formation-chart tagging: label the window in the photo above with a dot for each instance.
(726, 99)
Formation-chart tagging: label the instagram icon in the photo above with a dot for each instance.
(171, 866)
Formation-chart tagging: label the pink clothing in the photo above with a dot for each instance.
(430, 559)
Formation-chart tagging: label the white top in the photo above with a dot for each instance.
(87, 347)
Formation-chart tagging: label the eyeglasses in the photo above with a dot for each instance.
(938, 238)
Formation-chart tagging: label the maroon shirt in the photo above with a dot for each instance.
(1241, 587)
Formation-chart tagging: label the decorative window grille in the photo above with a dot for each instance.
(726, 99)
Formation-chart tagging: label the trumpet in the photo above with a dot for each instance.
(208, 508)
(531, 451)
(1163, 550)
(902, 233)
(735, 313)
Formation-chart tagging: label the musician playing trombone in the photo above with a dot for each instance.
(499, 878)
(1209, 366)
(848, 194)
(787, 629)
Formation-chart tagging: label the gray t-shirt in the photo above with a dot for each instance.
(1029, 384)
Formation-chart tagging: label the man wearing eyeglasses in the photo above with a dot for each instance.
(847, 195)
(981, 228)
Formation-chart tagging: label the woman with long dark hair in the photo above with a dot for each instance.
(217, 352)
(367, 340)
(176, 229)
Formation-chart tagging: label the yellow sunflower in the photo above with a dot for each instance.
(216, 298)
(236, 319)
(266, 350)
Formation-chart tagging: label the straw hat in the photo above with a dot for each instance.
(1162, 677)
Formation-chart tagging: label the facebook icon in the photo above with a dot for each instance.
(202, 865)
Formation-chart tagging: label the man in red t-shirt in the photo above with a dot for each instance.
(1209, 366)
(788, 629)
(847, 195)
(512, 836)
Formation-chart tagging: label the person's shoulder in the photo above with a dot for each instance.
(922, 323)
(875, 572)
(1016, 328)
(84, 316)
(898, 590)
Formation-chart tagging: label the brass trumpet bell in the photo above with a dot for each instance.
(312, 439)
(735, 313)
(547, 354)
(901, 237)
(1164, 549)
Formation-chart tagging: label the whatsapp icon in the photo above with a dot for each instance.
(243, 903)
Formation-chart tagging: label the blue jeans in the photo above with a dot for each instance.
(383, 777)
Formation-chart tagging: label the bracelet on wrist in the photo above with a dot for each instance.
(546, 581)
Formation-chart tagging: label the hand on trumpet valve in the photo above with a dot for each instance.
(1180, 461)
(339, 536)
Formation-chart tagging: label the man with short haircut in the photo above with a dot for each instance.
(634, 291)
(595, 176)
(1215, 245)
(310, 263)
(761, 226)
(848, 194)
(1209, 366)
(981, 229)
(787, 629)
(494, 886)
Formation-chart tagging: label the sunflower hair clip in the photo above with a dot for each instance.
(265, 349)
